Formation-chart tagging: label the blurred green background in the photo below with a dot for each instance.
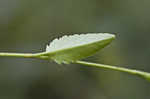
(29, 25)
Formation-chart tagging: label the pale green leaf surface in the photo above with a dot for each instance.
(76, 47)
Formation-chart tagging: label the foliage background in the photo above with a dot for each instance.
(29, 25)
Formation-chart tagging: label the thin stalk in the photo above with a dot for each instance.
(142, 74)
(22, 55)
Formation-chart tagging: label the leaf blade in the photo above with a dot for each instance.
(78, 51)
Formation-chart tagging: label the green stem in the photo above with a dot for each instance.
(142, 74)
(23, 55)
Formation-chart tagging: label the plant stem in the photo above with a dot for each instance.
(142, 74)
(24, 55)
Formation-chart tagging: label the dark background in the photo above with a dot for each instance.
(29, 25)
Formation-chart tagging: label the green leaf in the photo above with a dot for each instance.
(76, 47)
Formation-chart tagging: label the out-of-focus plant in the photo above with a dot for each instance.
(73, 48)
